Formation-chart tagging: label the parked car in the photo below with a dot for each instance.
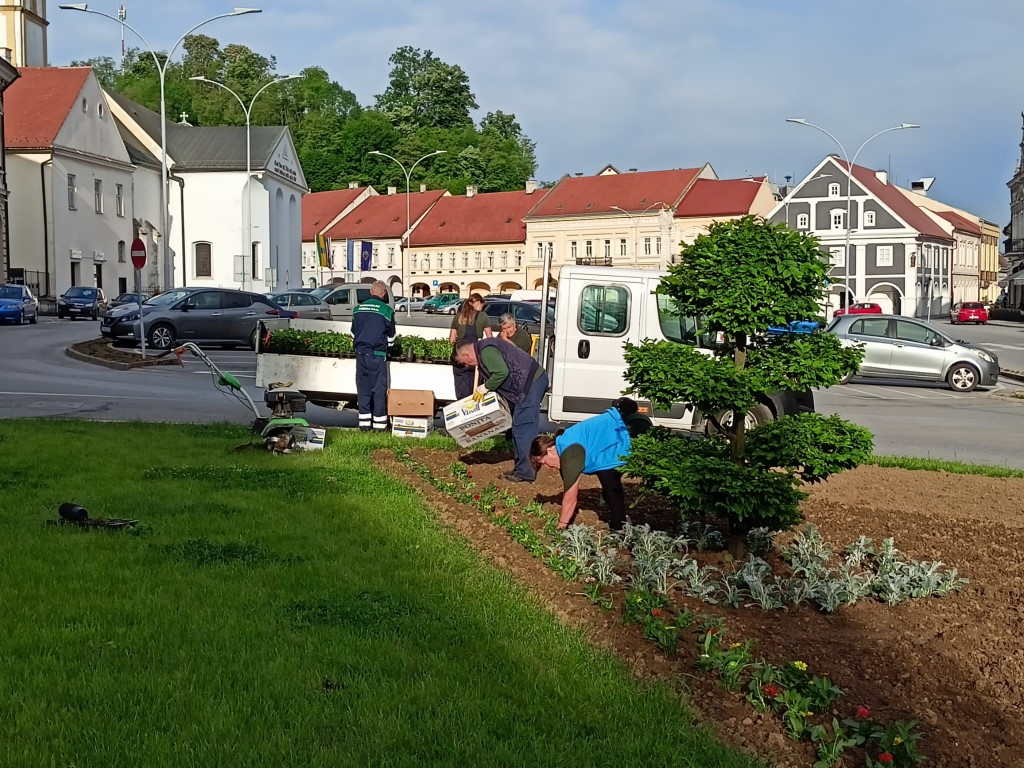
(79, 301)
(903, 348)
(409, 304)
(860, 308)
(128, 298)
(968, 312)
(343, 298)
(304, 305)
(202, 315)
(450, 307)
(430, 305)
(18, 305)
(526, 313)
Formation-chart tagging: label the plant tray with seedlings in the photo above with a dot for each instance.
(289, 341)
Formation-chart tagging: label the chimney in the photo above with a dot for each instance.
(531, 186)
(392, 190)
(423, 187)
(577, 174)
(471, 190)
(921, 186)
(353, 185)
(882, 176)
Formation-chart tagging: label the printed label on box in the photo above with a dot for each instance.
(402, 426)
(469, 422)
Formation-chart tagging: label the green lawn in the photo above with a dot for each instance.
(298, 610)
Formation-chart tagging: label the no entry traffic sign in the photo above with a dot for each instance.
(138, 253)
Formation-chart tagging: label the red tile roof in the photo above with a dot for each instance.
(895, 200)
(633, 192)
(711, 197)
(491, 217)
(383, 216)
(959, 222)
(320, 208)
(37, 104)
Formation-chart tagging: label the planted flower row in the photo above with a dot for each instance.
(803, 701)
(292, 341)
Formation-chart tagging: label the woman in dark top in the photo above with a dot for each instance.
(471, 324)
(509, 331)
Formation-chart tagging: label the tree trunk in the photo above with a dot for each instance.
(737, 446)
(737, 544)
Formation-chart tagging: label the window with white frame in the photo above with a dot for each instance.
(451, 261)
(519, 258)
(465, 260)
(426, 262)
(622, 246)
(540, 251)
(657, 245)
(837, 217)
(478, 258)
(607, 249)
(869, 218)
(504, 258)
(119, 199)
(391, 255)
(836, 258)
(803, 221)
(573, 250)
(833, 190)
(647, 246)
(72, 192)
(590, 248)
(120, 252)
(883, 256)
(97, 192)
(413, 260)
(490, 260)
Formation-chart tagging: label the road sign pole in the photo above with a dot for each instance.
(139, 261)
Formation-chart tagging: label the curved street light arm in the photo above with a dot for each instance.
(275, 81)
(201, 79)
(181, 39)
(152, 51)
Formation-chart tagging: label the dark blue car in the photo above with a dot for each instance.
(18, 305)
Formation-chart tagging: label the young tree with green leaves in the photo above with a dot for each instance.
(741, 278)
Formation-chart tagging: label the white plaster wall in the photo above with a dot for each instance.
(213, 214)
(25, 206)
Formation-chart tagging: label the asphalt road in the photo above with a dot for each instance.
(38, 379)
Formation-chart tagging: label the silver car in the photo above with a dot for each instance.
(903, 348)
(305, 305)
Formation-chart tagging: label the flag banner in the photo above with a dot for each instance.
(329, 251)
(321, 249)
(366, 255)
(351, 263)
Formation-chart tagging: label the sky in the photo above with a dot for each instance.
(656, 84)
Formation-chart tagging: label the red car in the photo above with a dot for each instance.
(968, 312)
(861, 308)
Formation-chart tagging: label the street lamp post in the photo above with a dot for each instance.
(635, 220)
(408, 182)
(849, 185)
(247, 209)
(168, 268)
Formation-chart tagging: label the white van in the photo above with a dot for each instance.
(533, 296)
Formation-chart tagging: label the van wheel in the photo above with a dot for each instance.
(161, 337)
(759, 414)
(963, 377)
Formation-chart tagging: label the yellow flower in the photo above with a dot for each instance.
(808, 714)
(897, 740)
(800, 665)
(736, 645)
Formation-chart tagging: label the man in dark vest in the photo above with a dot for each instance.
(373, 331)
(518, 378)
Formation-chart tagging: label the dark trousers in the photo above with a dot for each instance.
(372, 391)
(526, 425)
(614, 497)
(464, 375)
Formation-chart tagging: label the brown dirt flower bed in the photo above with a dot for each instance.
(103, 350)
(953, 664)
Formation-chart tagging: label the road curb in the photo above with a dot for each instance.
(74, 354)
(1012, 375)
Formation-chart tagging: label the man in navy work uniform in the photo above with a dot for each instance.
(373, 331)
(518, 378)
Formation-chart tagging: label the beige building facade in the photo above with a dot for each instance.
(23, 32)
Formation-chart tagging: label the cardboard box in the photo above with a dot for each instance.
(469, 422)
(309, 438)
(412, 426)
(411, 402)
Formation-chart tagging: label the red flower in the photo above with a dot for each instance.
(469, 474)
(771, 690)
(713, 631)
(655, 612)
(476, 497)
(863, 713)
(885, 757)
